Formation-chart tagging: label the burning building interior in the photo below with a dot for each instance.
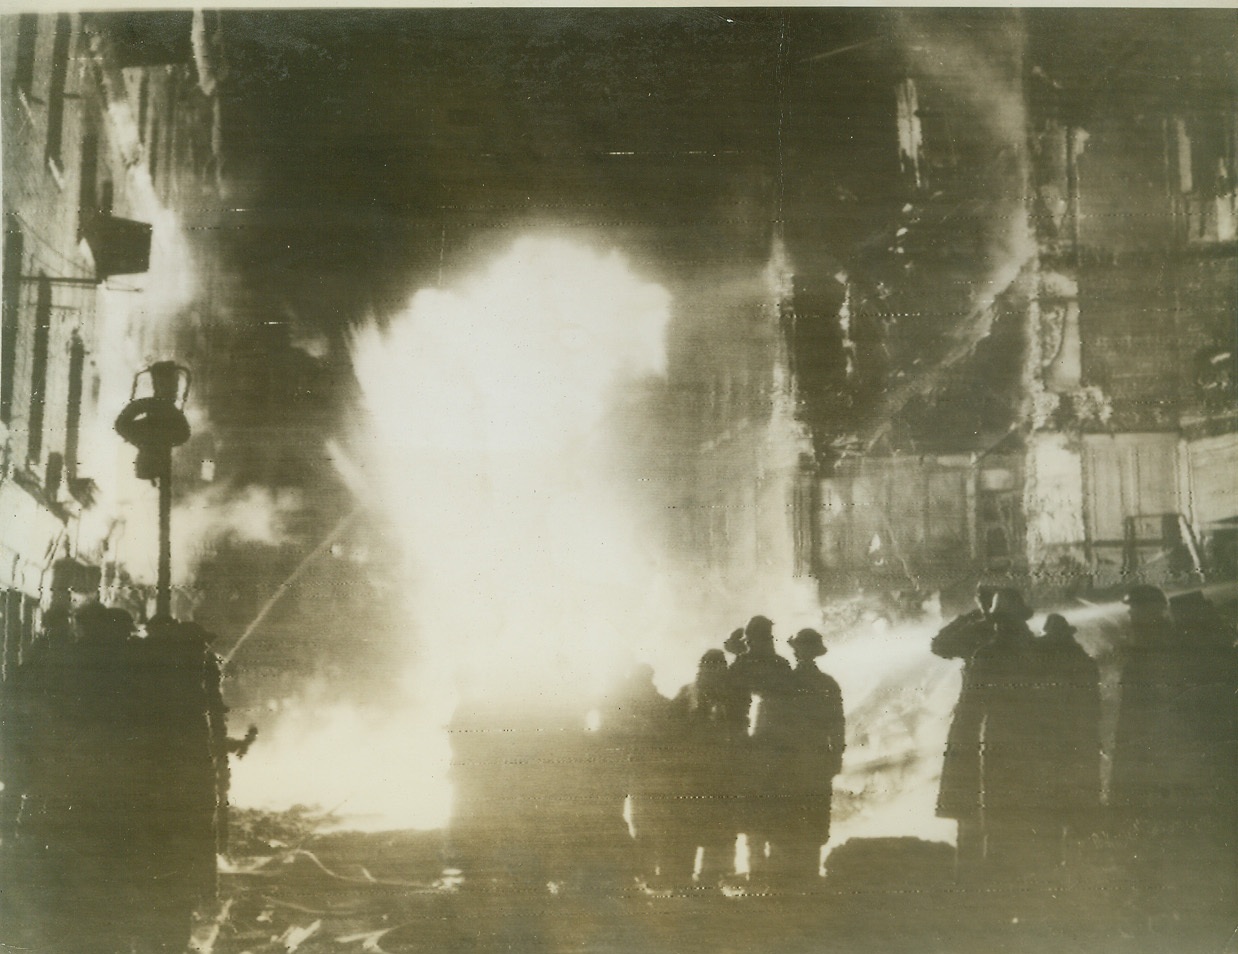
(529, 347)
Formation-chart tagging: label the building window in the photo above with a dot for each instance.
(38, 373)
(1206, 156)
(73, 420)
(27, 38)
(56, 89)
(13, 251)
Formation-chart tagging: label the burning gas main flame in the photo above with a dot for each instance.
(490, 455)
(484, 443)
(485, 446)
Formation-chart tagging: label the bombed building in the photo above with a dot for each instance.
(108, 127)
(1024, 353)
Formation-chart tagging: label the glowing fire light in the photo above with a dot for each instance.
(489, 453)
(486, 447)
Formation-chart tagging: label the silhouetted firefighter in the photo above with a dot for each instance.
(759, 674)
(806, 739)
(1008, 719)
(222, 744)
(1068, 717)
(709, 733)
(1173, 791)
(1005, 679)
(959, 795)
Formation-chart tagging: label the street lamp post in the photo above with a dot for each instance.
(155, 424)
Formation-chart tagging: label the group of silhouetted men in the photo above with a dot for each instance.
(115, 784)
(750, 746)
(1022, 772)
(663, 787)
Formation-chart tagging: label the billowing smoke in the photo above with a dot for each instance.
(141, 319)
(203, 521)
(986, 101)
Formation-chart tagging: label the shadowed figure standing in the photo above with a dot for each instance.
(959, 794)
(737, 698)
(1008, 724)
(222, 744)
(709, 731)
(808, 736)
(641, 724)
(1068, 716)
(1173, 773)
(758, 675)
(175, 770)
(1005, 676)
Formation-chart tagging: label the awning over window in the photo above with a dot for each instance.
(119, 246)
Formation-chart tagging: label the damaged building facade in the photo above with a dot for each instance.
(1023, 367)
(109, 126)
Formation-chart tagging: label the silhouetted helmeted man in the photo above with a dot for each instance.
(735, 644)
(759, 674)
(737, 697)
(1068, 717)
(809, 738)
(705, 812)
(959, 794)
(1006, 721)
(222, 745)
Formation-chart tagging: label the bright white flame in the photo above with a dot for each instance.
(374, 769)
(486, 446)
(489, 452)
(899, 699)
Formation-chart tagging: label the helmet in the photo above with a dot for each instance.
(1145, 595)
(1056, 625)
(759, 626)
(712, 660)
(735, 642)
(808, 642)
